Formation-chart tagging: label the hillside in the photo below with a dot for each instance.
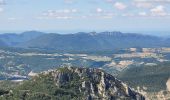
(72, 84)
(82, 41)
(13, 39)
(67, 42)
(154, 78)
(94, 41)
(2, 44)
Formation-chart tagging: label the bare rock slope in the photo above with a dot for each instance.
(70, 83)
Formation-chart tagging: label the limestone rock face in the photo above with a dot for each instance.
(168, 84)
(93, 84)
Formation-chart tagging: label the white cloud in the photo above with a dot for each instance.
(158, 11)
(153, 1)
(69, 1)
(143, 4)
(1, 9)
(2, 2)
(74, 10)
(55, 17)
(58, 14)
(99, 10)
(62, 11)
(142, 14)
(11, 18)
(101, 13)
(110, 1)
(74, 14)
(159, 8)
(128, 15)
(120, 5)
(149, 3)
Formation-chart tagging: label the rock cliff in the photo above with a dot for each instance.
(69, 83)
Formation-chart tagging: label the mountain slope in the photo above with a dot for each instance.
(13, 39)
(152, 77)
(64, 42)
(74, 84)
(94, 41)
(82, 41)
(2, 44)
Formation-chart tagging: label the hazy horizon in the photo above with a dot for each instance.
(153, 33)
(65, 16)
(85, 49)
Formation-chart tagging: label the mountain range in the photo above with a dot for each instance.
(2, 43)
(13, 39)
(82, 41)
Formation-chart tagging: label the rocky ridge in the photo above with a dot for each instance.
(94, 83)
(70, 83)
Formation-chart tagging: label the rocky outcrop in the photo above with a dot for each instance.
(168, 84)
(93, 84)
(70, 83)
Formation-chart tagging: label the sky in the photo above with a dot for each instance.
(143, 16)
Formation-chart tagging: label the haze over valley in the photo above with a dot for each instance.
(23, 56)
(84, 50)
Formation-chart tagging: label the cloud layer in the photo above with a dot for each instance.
(108, 9)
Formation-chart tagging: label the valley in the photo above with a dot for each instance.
(142, 67)
(84, 50)
(19, 63)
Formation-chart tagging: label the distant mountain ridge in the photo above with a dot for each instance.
(13, 39)
(83, 41)
(2, 44)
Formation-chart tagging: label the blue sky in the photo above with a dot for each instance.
(145, 16)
